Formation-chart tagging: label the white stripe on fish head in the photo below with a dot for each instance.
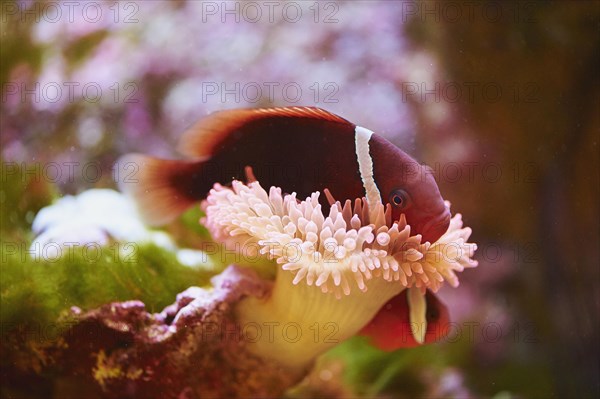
(365, 166)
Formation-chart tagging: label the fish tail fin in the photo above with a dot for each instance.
(162, 189)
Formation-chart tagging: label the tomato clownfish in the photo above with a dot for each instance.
(300, 149)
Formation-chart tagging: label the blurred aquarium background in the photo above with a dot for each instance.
(501, 99)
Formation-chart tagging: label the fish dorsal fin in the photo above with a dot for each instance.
(201, 139)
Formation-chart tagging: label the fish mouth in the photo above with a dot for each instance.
(436, 227)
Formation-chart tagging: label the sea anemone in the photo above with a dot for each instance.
(334, 272)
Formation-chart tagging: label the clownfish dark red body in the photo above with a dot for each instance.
(300, 149)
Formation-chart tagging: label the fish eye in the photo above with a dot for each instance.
(399, 198)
